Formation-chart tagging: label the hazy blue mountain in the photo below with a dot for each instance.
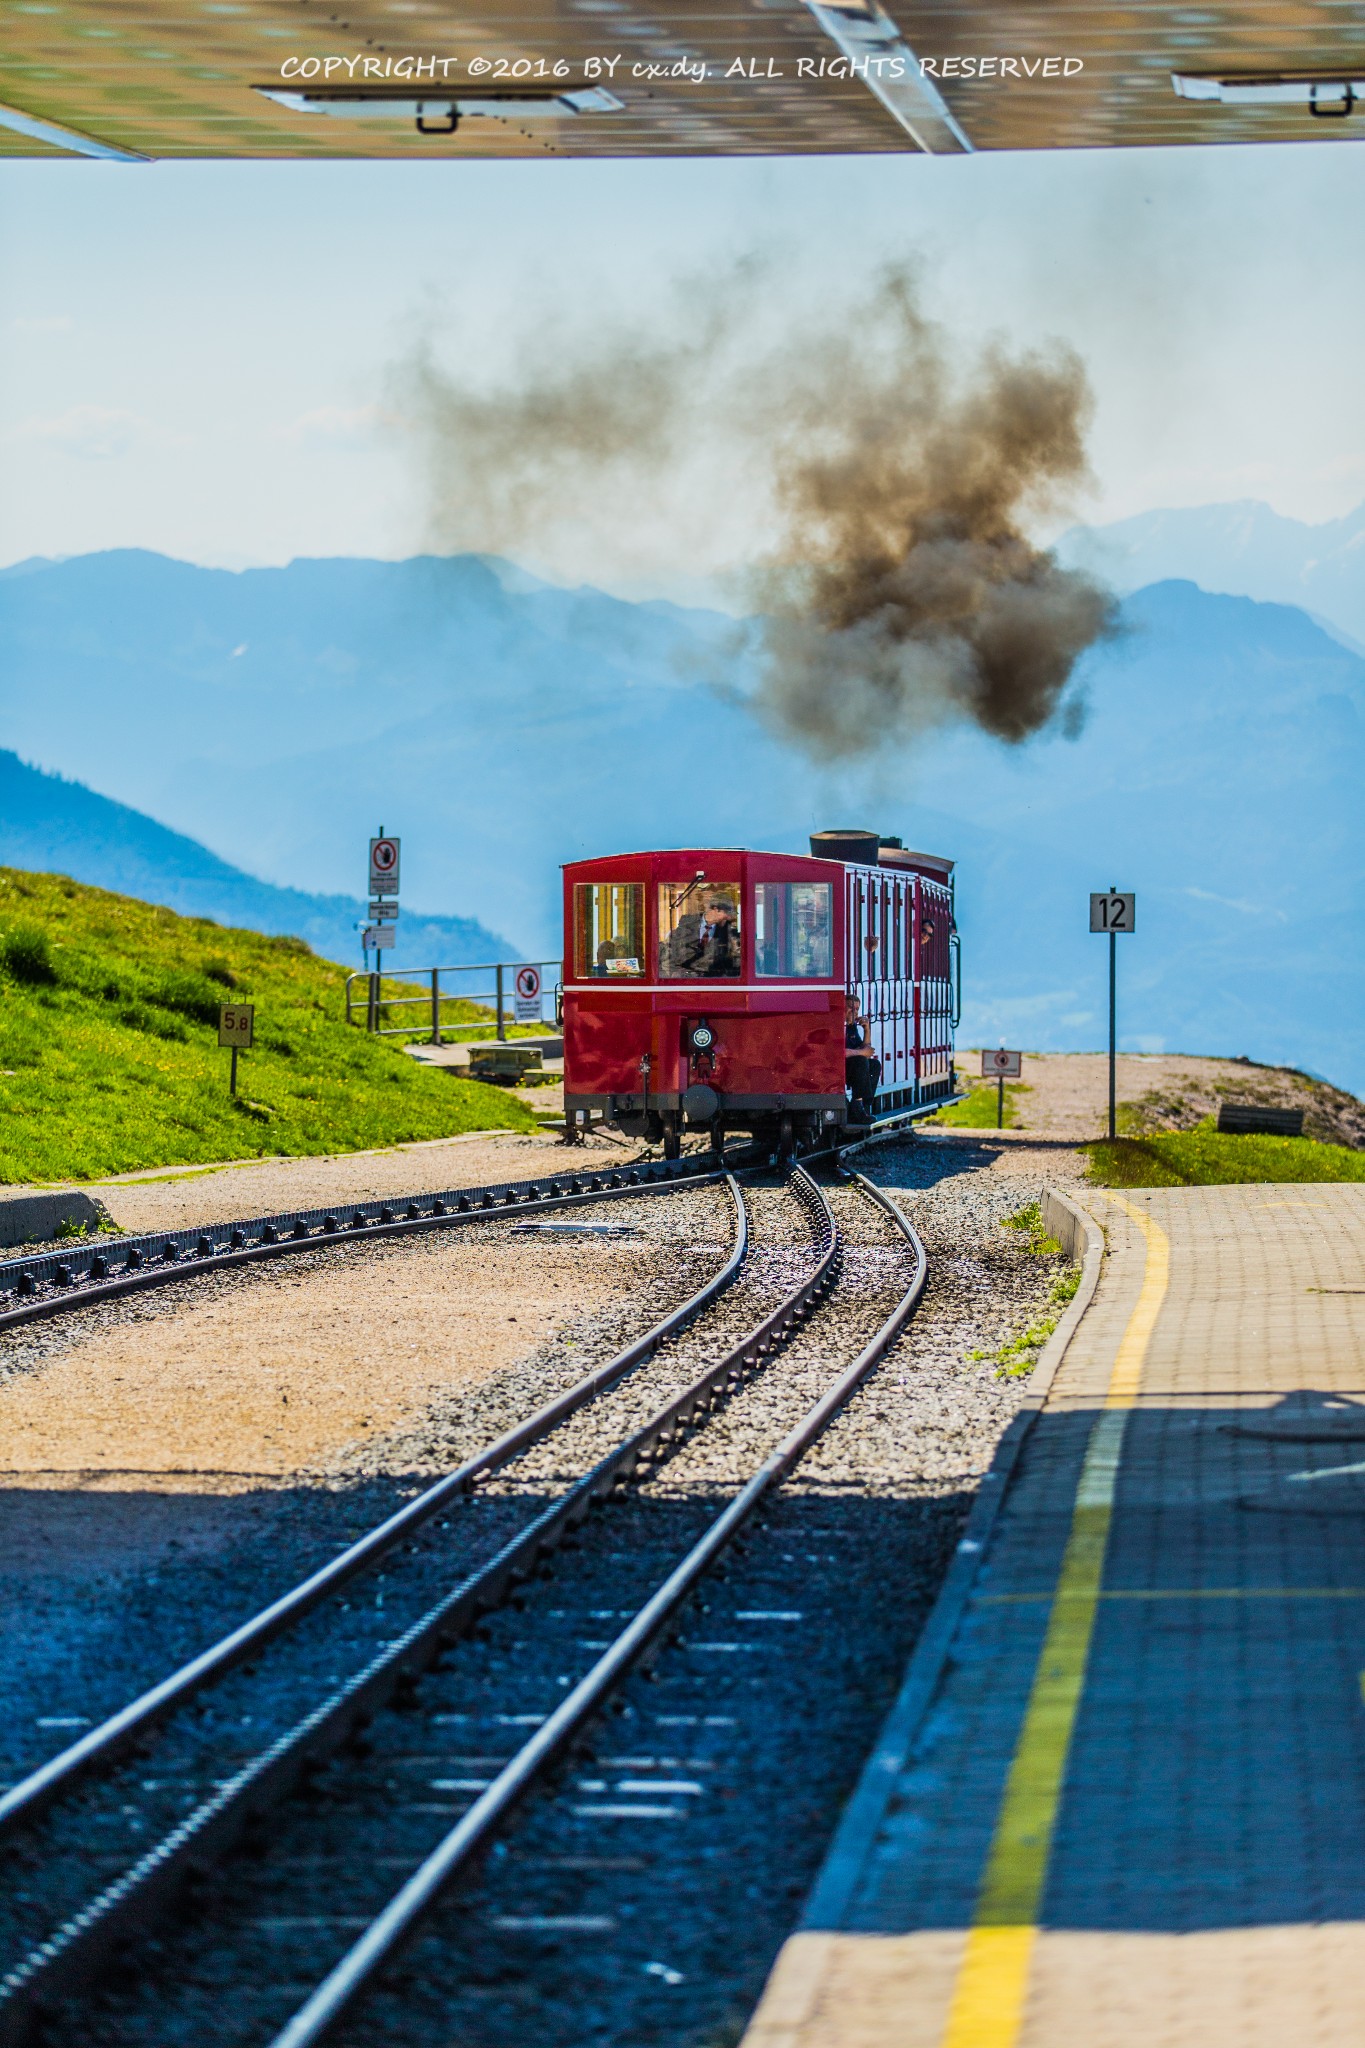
(1244, 550)
(58, 826)
(413, 691)
(503, 727)
(1219, 774)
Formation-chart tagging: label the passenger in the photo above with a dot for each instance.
(862, 1071)
(708, 944)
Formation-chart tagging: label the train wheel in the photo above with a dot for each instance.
(718, 1139)
(786, 1142)
(672, 1140)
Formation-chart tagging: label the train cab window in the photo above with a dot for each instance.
(794, 929)
(699, 930)
(609, 929)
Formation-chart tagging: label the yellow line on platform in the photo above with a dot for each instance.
(992, 1983)
(1186, 1593)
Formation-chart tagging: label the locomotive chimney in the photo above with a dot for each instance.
(861, 848)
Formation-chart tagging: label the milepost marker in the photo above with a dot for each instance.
(1113, 913)
(236, 1028)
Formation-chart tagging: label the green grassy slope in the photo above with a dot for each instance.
(977, 1112)
(109, 1058)
(1207, 1157)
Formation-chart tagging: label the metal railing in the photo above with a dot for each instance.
(369, 1004)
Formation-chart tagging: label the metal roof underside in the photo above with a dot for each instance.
(150, 79)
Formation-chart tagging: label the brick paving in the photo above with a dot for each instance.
(1205, 1881)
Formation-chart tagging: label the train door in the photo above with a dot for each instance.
(897, 1076)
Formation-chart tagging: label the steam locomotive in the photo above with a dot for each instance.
(708, 989)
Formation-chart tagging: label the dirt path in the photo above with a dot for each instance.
(280, 1368)
(178, 1198)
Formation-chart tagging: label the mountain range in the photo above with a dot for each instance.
(54, 825)
(1241, 550)
(503, 726)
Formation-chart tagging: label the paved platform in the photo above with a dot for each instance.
(1121, 1800)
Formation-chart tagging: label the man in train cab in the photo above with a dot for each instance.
(708, 944)
(862, 1071)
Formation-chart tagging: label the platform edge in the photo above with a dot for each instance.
(862, 1817)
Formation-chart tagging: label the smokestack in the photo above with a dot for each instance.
(859, 848)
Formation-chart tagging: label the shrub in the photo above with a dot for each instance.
(190, 994)
(27, 955)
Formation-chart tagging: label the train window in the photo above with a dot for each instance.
(794, 928)
(699, 929)
(609, 928)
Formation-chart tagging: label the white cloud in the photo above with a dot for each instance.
(96, 433)
(1240, 903)
(41, 323)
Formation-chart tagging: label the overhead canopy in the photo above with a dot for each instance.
(531, 78)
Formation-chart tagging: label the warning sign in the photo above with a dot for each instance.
(527, 996)
(997, 1063)
(384, 867)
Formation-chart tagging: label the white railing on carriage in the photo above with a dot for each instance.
(368, 1004)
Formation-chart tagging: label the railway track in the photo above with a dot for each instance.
(567, 1477)
(104, 1268)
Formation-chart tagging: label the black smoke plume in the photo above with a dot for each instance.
(899, 476)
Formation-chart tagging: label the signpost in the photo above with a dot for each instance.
(382, 909)
(1111, 914)
(236, 1027)
(1003, 1065)
(526, 1001)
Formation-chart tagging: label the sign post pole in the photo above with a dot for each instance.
(1001, 1062)
(1112, 914)
(1113, 1029)
(236, 1028)
(383, 914)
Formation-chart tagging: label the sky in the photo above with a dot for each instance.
(199, 357)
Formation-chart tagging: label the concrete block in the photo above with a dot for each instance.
(1061, 1221)
(34, 1219)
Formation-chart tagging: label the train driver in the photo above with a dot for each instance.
(708, 944)
(862, 1071)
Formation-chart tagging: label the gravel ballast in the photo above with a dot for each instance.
(626, 1926)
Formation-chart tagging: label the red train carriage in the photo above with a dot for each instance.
(705, 988)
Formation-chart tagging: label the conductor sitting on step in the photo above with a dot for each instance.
(862, 1071)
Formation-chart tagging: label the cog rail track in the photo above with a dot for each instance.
(102, 1270)
(134, 1900)
(336, 1996)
